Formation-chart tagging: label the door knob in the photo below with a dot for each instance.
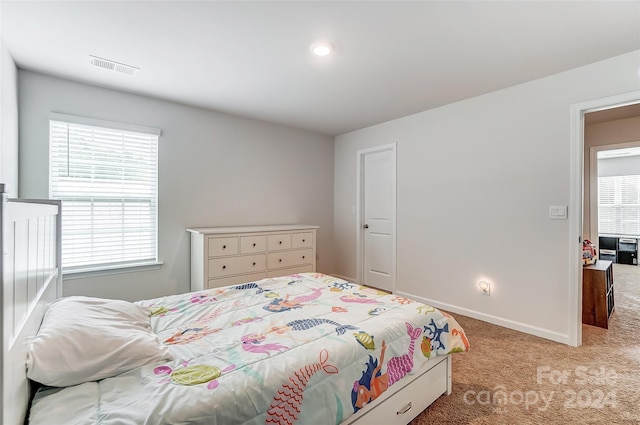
(366, 226)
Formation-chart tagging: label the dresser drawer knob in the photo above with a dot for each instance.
(404, 410)
(280, 260)
(224, 247)
(254, 245)
(280, 242)
(303, 257)
(224, 267)
(254, 263)
(303, 240)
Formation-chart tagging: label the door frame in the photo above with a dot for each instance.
(360, 210)
(576, 201)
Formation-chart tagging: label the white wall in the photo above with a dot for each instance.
(475, 181)
(9, 127)
(214, 170)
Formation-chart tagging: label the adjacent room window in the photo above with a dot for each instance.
(619, 192)
(106, 175)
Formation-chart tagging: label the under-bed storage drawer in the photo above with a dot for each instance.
(219, 267)
(409, 401)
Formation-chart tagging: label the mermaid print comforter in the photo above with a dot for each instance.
(304, 349)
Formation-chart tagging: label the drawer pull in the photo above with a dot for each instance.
(254, 263)
(280, 242)
(254, 245)
(280, 260)
(224, 267)
(224, 247)
(303, 240)
(303, 257)
(404, 410)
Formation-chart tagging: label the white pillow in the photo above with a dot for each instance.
(84, 339)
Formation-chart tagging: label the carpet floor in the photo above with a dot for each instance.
(514, 378)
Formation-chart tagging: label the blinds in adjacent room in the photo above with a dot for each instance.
(619, 205)
(107, 180)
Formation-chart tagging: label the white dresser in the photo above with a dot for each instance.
(222, 256)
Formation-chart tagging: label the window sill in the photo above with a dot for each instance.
(104, 271)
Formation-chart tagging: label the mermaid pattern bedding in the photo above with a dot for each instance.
(304, 349)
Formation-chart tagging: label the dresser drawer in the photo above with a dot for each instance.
(235, 280)
(292, 270)
(298, 257)
(253, 244)
(220, 267)
(219, 247)
(302, 240)
(278, 242)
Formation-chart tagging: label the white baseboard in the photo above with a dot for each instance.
(500, 321)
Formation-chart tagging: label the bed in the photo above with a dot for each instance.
(307, 348)
(31, 281)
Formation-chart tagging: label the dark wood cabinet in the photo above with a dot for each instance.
(597, 293)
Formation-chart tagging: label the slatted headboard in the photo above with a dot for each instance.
(31, 277)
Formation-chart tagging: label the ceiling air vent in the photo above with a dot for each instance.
(113, 66)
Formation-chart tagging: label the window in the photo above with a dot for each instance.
(106, 176)
(619, 205)
(619, 191)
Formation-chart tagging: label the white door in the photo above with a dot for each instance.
(378, 210)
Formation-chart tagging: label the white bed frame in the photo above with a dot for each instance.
(30, 273)
(31, 277)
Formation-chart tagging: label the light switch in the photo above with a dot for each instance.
(558, 212)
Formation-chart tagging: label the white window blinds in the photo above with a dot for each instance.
(619, 205)
(107, 181)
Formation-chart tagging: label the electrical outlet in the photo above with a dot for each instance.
(485, 287)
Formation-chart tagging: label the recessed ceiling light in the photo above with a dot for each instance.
(112, 65)
(321, 49)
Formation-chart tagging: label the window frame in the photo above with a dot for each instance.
(105, 268)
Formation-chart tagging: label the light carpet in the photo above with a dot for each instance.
(510, 377)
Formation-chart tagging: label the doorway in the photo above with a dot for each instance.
(576, 205)
(376, 217)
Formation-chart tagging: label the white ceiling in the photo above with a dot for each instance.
(252, 58)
